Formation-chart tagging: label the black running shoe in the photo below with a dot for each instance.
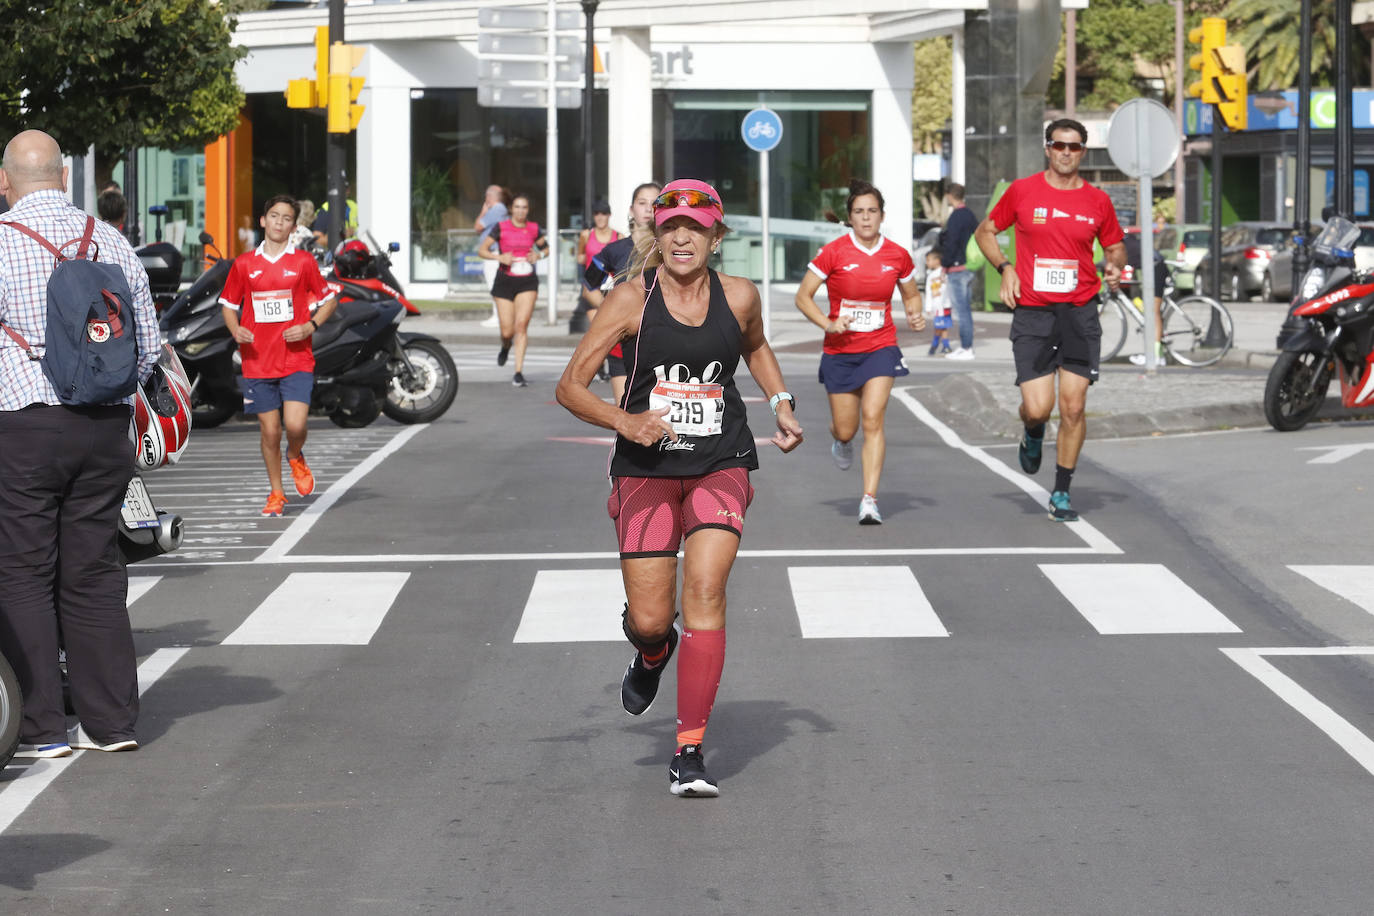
(687, 773)
(639, 686)
(502, 354)
(1029, 452)
(519, 380)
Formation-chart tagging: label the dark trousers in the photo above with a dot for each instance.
(63, 471)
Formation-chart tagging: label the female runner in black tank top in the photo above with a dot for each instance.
(683, 451)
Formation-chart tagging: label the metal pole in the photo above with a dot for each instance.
(551, 163)
(588, 143)
(767, 244)
(1214, 246)
(1070, 62)
(1147, 243)
(1179, 93)
(1302, 206)
(336, 156)
(1345, 128)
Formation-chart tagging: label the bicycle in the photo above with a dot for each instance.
(1197, 330)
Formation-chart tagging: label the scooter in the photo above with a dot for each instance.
(363, 365)
(1329, 333)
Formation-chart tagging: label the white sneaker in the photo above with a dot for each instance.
(1137, 359)
(78, 739)
(843, 453)
(868, 511)
(489, 322)
(960, 353)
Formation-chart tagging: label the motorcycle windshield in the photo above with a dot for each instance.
(1337, 239)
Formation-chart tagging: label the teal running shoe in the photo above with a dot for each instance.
(1060, 510)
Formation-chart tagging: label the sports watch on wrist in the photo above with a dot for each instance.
(779, 397)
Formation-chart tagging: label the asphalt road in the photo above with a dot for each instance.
(402, 698)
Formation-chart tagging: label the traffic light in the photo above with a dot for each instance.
(313, 93)
(1208, 37)
(1231, 80)
(344, 88)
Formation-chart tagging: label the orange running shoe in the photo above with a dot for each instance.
(276, 503)
(300, 473)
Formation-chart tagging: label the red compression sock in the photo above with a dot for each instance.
(701, 658)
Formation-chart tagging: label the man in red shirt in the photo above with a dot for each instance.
(267, 302)
(1054, 328)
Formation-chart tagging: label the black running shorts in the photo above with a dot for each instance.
(1062, 335)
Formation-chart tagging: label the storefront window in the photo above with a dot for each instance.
(174, 179)
(825, 142)
(458, 148)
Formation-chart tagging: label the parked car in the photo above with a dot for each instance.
(1191, 247)
(1256, 259)
(924, 242)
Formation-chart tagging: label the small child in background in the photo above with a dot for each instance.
(937, 304)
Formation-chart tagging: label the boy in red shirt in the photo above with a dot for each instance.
(267, 303)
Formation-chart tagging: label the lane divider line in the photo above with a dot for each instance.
(1349, 738)
(307, 519)
(1096, 540)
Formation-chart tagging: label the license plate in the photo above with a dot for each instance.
(138, 511)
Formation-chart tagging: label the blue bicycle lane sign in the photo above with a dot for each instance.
(761, 129)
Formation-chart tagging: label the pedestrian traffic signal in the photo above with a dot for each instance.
(1231, 83)
(344, 88)
(1208, 37)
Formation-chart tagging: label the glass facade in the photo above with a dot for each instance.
(458, 148)
(174, 179)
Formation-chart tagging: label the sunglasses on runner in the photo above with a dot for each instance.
(685, 198)
(1059, 146)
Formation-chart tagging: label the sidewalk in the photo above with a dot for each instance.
(979, 397)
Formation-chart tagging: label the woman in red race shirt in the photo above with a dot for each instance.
(859, 355)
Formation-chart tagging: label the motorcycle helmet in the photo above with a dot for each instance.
(161, 424)
(352, 259)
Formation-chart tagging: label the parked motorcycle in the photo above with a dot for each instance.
(1329, 333)
(162, 261)
(364, 366)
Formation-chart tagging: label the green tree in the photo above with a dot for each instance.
(1268, 29)
(930, 99)
(120, 73)
(1117, 37)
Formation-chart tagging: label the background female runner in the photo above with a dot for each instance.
(607, 267)
(859, 355)
(518, 245)
(682, 454)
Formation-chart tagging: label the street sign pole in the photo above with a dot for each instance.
(762, 131)
(1143, 141)
(767, 265)
(551, 165)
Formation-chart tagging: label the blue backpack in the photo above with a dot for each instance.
(91, 350)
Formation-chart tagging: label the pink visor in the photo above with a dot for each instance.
(688, 197)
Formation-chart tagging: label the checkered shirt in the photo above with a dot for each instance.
(25, 267)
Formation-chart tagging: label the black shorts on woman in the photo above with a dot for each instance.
(1060, 335)
(506, 286)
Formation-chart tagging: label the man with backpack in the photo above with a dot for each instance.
(79, 333)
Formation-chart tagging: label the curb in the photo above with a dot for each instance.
(970, 407)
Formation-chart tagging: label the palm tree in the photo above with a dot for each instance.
(1268, 29)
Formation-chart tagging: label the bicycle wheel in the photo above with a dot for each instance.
(1197, 330)
(1111, 314)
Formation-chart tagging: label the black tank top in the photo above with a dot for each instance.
(691, 370)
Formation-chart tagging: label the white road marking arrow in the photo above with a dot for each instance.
(1336, 453)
